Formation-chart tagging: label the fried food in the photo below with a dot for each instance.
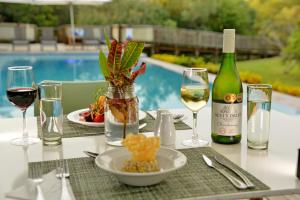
(143, 150)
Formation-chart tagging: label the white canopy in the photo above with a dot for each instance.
(60, 2)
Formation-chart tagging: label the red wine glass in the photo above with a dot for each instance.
(21, 92)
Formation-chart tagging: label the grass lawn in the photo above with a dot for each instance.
(271, 70)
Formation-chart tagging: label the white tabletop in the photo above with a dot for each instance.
(276, 166)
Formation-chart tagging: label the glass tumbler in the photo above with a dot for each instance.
(258, 115)
(51, 112)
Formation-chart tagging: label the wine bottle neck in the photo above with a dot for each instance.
(228, 60)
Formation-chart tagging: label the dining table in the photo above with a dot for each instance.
(275, 166)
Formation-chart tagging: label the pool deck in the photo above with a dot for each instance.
(277, 97)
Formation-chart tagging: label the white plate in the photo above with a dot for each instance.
(74, 117)
(113, 160)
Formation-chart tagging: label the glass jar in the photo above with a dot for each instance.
(121, 114)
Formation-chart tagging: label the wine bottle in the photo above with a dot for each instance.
(227, 96)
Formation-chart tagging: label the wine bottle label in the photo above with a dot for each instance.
(227, 119)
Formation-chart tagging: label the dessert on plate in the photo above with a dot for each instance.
(143, 153)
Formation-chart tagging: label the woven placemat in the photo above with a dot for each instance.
(71, 129)
(195, 179)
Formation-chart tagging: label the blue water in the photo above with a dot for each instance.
(157, 88)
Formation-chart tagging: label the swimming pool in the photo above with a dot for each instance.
(158, 88)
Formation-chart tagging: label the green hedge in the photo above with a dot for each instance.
(246, 76)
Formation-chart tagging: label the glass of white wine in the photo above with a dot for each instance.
(195, 95)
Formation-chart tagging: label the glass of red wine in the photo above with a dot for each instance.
(21, 92)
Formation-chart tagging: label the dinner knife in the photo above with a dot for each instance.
(237, 172)
(91, 154)
(237, 183)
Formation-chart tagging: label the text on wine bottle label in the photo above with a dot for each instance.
(227, 119)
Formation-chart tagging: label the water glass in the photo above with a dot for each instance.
(51, 112)
(258, 115)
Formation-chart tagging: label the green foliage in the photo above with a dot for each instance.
(187, 61)
(250, 77)
(240, 18)
(284, 88)
(103, 64)
(131, 55)
(253, 71)
(292, 51)
(39, 15)
(218, 14)
(271, 70)
(196, 14)
(276, 19)
(117, 67)
(107, 40)
(122, 12)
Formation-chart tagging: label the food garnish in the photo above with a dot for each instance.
(143, 150)
(95, 112)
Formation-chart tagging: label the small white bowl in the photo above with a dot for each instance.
(113, 160)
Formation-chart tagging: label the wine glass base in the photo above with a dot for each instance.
(197, 143)
(24, 142)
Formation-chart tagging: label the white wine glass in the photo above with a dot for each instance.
(21, 91)
(195, 95)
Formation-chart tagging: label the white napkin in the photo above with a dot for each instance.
(51, 188)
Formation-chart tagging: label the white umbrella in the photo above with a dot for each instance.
(60, 2)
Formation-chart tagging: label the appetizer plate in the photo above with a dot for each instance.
(113, 160)
(74, 117)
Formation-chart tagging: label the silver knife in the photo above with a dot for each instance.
(91, 154)
(237, 183)
(237, 172)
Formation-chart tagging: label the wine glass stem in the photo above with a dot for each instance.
(195, 136)
(25, 133)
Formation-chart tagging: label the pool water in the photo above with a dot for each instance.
(157, 88)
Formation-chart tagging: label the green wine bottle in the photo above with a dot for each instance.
(227, 96)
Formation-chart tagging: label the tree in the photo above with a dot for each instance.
(232, 14)
(195, 14)
(39, 15)
(123, 12)
(291, 53)
(276, 19)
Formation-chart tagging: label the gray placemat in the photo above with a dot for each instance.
(195, 179)
(71, 129)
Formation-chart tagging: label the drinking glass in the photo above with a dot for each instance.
(51, 112)
(21, 92)
(258, 115)
(194, 95)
